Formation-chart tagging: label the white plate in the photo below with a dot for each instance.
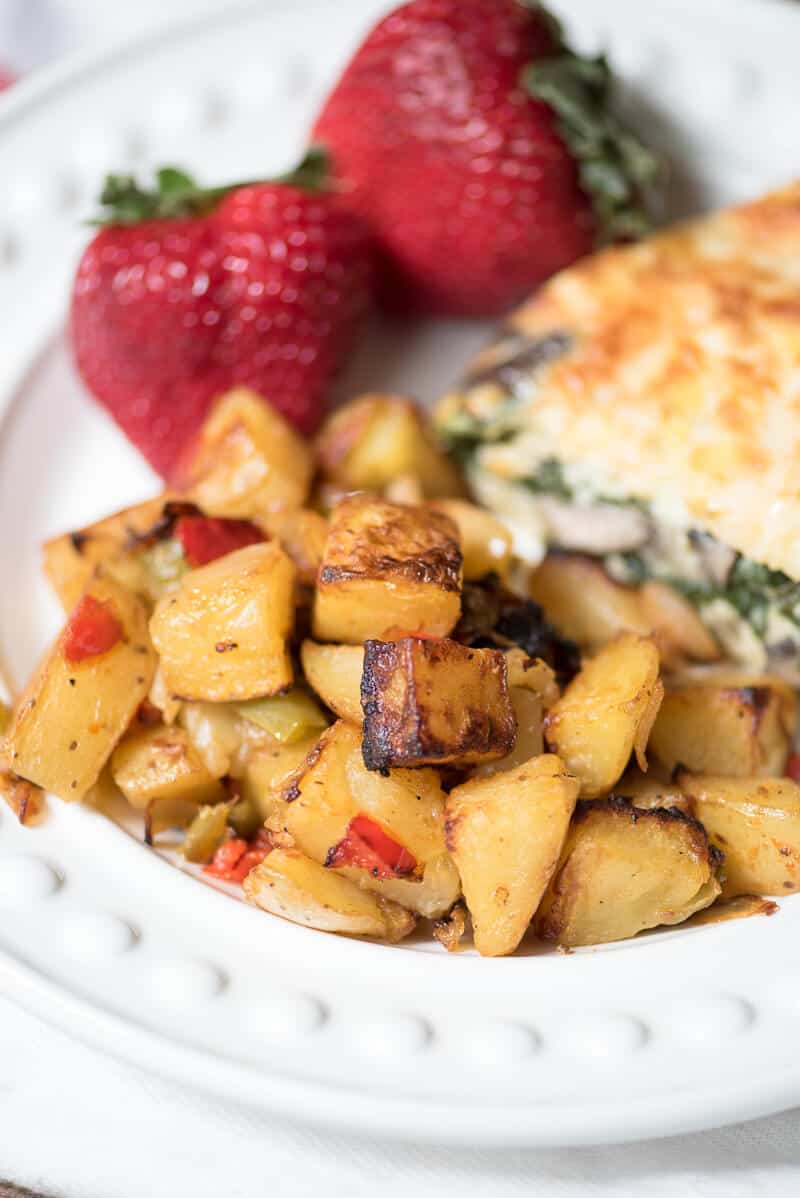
(674, 1031)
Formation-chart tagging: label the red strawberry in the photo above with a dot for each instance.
(189, 292)
(481, 151)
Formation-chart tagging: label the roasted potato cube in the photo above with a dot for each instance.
(215, 734)
(248, 460)
(267, 772)
(718, 728)
(334, 672)
(80, 701)
(532, 674)
(333, 788)
(529, 716)
(505, 835)
(756, 823)
(387, 567)
(370, 442)
(485, 542)
(223, 634)
(676, 625)
(303, 534)
(290, 885)
(432, 702)
(648, 791)
(606, 713)
(623, 870)
(71, 560)
(162, 763)
(582, 601)
(24, 799)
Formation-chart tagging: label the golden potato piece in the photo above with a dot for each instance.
(582, 601)
(303, 534)
(485, 541)
(24, 799)
(433, 702)
(756, 823)
(606, 713)
(162, 763)
(267, 772)
(334, 672)
(73, 713)
(370, 442)
(290, 885)
(223, 634)
(387, 568)
(676, 625)
(532, 674)
(505, 835)
(333, 788)
(649, 791)
(623, 870)
(718, 728)
(248, 460)
(71, 560)
(529, 715)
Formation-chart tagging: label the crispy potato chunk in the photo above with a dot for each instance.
(649, 791)
(434, 702)
(303, 534)
(373, 440)
(756, 823)
(675, 625)
(485, 542)
(387, 567)
(505, 835)
(71, 560)
(72, 714)
(268, 771)
(725, 728)
(334, 786)
(606, 713)
(582, 601)
(334, 672)
(248, 460)
(623, 870)
(290, 885)
(162, 763)
(223, 634)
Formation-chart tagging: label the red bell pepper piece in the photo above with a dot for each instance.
(92, 629)
(226, 858)
(793, 767)
(204, 538)
(235, 858)
(367, 846)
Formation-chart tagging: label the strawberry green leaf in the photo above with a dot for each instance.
(617, 171)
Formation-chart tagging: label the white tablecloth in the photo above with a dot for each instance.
(74, 1123)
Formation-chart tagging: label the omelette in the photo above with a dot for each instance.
(642, 410)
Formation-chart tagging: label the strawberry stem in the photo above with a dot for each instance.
(177, 193)
(617, 171)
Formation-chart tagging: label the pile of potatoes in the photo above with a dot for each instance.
(284, 650)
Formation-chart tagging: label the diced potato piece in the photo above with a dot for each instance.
(387, 567)
(582, 601)
(676, 625)
(434, 702)
(303, 534)
(532, 674)
(213, 729)
(649, 791)
(161, 763)
(485, 542)
(269, 770)
(371, 441)
(606, 713)
(290, 885)
(529, 716)
(71, 716)
(406, 488)
(248, 460)
(715, 728)
(223, 634)
(161, 699)
(623, 870)
(334, 672)
(71, 560)
(505, 835)
(334, 786)
(726, 910)
(24, 799)
(756, 823)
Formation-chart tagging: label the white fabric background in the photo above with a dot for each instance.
(75, 1124)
